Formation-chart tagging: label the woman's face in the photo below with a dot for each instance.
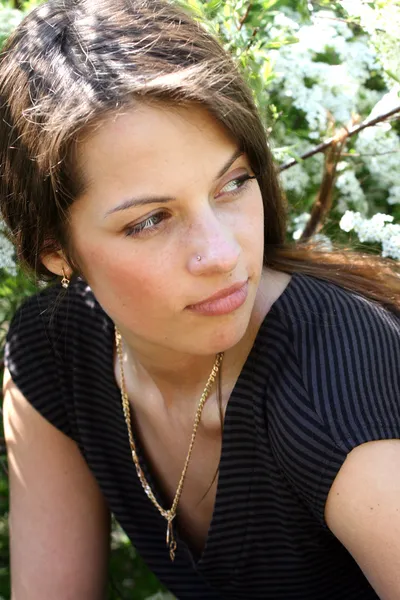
(163, 188)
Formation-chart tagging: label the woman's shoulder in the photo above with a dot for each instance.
(346, 349)
(53, 304)
(56, 320)
(313, 302)
(337, 385)
(317, 323)
(54, 332)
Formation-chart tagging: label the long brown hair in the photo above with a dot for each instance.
(72, 62)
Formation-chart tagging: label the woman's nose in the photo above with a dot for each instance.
(213, 248)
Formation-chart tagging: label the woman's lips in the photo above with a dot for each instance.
(223, 302)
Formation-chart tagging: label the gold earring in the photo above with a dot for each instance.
(65, 281)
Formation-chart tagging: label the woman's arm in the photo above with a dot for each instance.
(59, 521)
(363, 511)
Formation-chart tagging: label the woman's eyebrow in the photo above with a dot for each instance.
(229, 163)
(138, 202)
(163, 199)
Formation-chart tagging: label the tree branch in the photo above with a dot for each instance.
(323, 202)
(361, 154)
(350, 132)
(244, 17)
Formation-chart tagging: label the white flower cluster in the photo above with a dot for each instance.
(297, 227)
(382, 22)
(379, 148)
(9, 19)
(301, 176)
(295, 179)
(324, 93)
(350, 190)
(7, 261)
(7, 255)
(314, 86)
(379, 229)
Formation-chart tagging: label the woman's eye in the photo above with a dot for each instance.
(153, 222)
(237, 184)
(147, 226)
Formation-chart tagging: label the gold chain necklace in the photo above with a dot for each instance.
(170, 514)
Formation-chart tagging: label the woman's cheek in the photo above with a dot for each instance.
(136, 278)
(249, 223)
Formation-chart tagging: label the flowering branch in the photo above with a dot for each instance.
(323, 202)
(349, 133)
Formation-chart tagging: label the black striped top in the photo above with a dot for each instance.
(321, 378)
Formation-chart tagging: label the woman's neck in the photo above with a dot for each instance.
(174, 374)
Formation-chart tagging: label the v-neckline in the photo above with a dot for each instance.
(236, 409)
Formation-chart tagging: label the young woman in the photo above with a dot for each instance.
(134, 166)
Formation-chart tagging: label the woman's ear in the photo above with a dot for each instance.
(56, 262)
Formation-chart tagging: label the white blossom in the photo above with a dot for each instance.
(298, 225)
(9, 19)
(295, 179)
(379, 148)
(394, 194)
(7, 255)
(381, 20)
(334, 88)
(391, 247)
(387, 103)
(378, 229)
(337, 93)
(350, 191)
(350, 220)
(323, 241)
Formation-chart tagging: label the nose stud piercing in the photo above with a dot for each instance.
(198, 258)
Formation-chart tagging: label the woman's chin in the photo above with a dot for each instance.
(223, 337)
(223, 333)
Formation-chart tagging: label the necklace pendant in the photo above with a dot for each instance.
(171, 543)
(170, 532)
(172, 548)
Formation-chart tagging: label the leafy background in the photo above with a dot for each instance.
(326, 78)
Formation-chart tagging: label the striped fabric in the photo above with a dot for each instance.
(322, 377)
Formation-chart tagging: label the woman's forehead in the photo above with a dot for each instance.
(148, 138)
